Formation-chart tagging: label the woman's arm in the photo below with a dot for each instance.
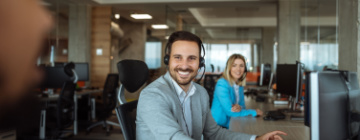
(222, 91)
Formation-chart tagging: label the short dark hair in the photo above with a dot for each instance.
(182, 35)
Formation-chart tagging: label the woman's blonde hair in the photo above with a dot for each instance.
(226, 74)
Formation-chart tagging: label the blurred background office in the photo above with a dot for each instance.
(101, 33)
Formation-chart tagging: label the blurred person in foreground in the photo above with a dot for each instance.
(23, 27)
(229, 100)
(175, 107)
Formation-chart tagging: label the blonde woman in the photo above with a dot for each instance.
(229, 93)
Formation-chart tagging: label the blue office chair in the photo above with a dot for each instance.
(133, 74)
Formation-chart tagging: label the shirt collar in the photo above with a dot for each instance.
(179, 90)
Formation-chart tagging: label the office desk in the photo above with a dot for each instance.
(54, 97)
(296, 130)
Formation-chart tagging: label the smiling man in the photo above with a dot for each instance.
(174, 107)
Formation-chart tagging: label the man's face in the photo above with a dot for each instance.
(23, 27)
(184, 61)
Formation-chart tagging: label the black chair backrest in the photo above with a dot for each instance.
(127, 116)
(68, 69)
(133, 74)
(109, 92)
(209, 84)
(65, 110)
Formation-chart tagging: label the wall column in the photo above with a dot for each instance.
(267, 47)
(179, 23)
(100, 45)
(349, 36)
(79, 33)
(288, 31)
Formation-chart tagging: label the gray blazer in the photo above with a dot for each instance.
(159, 115)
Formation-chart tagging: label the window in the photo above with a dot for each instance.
(317, 56)
(218, 54)
(153, 54)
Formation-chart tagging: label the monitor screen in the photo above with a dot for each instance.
(327, 108)
(82, 70)
(54, 77)
(286, 75)
(265, 75)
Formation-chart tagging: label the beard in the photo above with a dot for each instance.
(183, 81)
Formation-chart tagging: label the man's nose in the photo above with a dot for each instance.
(184, 64)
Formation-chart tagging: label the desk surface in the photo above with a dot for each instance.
(296, 130)
(83, 92)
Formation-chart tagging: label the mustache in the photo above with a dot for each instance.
(186, 70)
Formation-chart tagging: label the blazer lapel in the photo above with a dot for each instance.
(173, 94)
(196, 114)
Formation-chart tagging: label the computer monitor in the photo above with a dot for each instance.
(265, 75)
(286, 75)
(54, 77)
(82, 70)
(289, 82)
(327, 110)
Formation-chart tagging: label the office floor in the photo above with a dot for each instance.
(98, 133)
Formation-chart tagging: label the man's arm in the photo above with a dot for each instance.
(214, 132)
(156, 114)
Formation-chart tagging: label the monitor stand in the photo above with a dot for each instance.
(292, 108)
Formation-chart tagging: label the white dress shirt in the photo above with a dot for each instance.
(185, 103)
(236, 88)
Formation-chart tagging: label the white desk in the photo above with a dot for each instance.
(296, 130)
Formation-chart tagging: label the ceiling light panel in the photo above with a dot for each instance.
(141, 16)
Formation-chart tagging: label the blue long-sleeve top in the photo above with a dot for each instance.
(224, 98)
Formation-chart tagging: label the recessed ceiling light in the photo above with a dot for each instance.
(117, 16)
(141, 16)
(166, 37)
(160, 26)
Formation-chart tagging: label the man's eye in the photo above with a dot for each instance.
(177, 57)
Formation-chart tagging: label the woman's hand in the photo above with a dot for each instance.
(236, 108)
(259, 112)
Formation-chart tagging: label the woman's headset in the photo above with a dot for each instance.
(245, 71)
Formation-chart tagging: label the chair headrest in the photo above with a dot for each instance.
(68, 69)
(132, 74)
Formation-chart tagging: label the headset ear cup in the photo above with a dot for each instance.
(202, 62)
(166, 59)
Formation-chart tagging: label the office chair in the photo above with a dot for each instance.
(209, 85)
(104, 110)
(133, 74)
(61, 116)
(126, 114)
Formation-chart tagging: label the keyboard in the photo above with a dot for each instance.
(274, 115)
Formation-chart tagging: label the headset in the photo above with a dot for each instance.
(245, 72)
(201, 59)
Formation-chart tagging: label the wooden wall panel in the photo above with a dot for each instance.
(100, 38)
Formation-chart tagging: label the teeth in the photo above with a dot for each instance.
(183, 73)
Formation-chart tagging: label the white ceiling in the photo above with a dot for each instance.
(220, 19)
